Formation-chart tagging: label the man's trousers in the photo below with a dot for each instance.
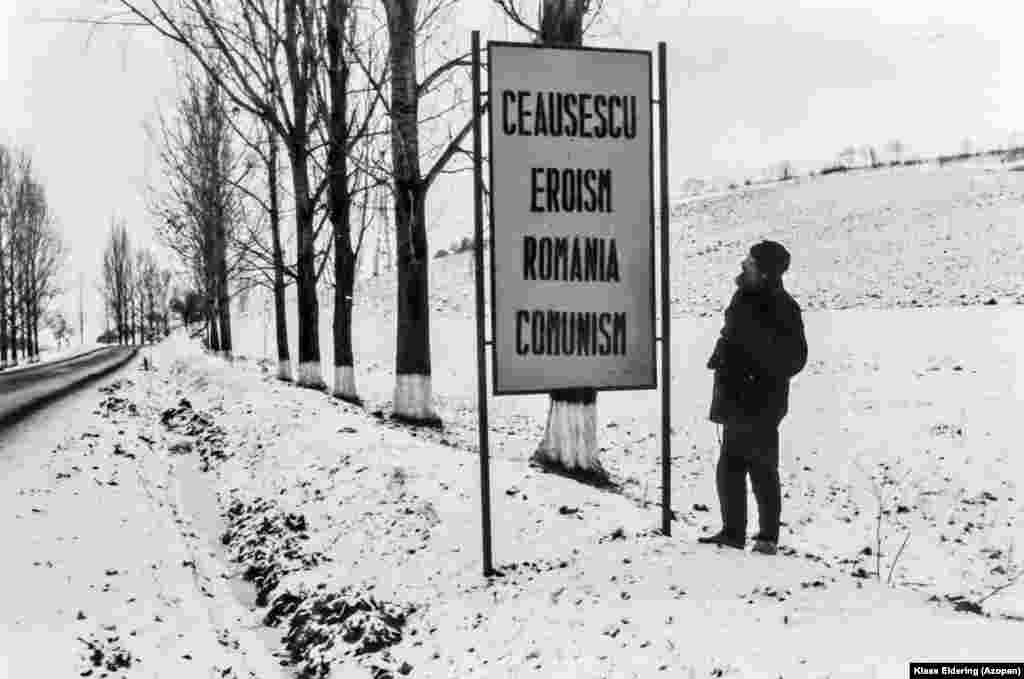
(752, 449)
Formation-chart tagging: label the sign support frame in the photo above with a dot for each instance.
(481, 363)
(482, 342)
(666, 319)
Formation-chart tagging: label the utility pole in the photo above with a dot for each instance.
(81, 311)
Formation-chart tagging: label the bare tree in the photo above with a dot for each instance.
(871, 154)
(848, 157)
(347, 118)
(263, 261)
(31, 252)
(409, 21)
(117, 275)
(229, 42)
(200, 209)
(59, 327)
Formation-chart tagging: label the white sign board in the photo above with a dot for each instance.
(572, 217)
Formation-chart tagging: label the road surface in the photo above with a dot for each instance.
(24, 389)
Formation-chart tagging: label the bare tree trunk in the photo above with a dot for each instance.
(14, 331)
(223, 298)
(284, 364)
(220, 229)
(214, 334)
(309, 374)
(570, 435)
(413, 400)
(26, 325)
(340, 201)
(3, 304)
(33, 305)
(14, 320)
(300, 61)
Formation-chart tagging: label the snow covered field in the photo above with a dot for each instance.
(322, 505)
(361, 539)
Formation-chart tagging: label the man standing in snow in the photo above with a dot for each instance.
(761, 347)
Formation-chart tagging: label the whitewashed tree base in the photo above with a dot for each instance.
(310, 375)
(345, 383)
(284, 371)
(570, 438)
(413, 398)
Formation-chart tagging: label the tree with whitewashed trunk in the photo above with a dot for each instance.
(266, 261)
(229, 41)
(570, 434)
(408, 22)
(346, 111)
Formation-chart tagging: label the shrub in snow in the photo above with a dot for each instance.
(320, 621)
(114, 405)
(104, 656)
(269, 542)
(210, 440)
(321, 627)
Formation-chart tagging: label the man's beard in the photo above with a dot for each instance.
(744, 284)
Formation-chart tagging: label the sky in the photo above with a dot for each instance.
(751, 84)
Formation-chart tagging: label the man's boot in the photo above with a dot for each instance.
(722, 540)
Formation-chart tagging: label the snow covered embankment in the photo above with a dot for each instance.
(363, 545)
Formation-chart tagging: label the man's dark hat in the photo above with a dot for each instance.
(772, 259)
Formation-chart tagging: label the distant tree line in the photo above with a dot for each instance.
(31, 253)
(135, 291)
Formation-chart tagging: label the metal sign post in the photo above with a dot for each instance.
(666, 320)
(481, 363)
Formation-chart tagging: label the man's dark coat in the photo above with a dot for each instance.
(761, 347)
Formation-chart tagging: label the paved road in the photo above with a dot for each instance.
(29, 387)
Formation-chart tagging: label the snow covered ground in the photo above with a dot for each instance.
(322, 504)
(187, 505)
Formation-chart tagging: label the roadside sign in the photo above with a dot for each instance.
(572, 214)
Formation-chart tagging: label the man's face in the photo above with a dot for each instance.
(750, 277)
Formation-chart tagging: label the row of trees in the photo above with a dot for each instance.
(358, 97)
(135, 290)
(31, 252)
(200, 211)
(318, 81)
